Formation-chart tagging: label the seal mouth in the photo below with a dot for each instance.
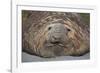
(56, 43)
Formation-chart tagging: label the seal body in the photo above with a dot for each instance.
(51, 34)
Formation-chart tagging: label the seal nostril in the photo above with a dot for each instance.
(68, 29)
(55, 40)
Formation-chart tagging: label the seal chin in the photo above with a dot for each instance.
(56, 48)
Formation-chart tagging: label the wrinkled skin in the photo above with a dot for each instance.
(58, 36)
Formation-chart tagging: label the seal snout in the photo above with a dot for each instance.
(57, 33)
(56, 39)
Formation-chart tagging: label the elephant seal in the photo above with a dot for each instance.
(51, 34)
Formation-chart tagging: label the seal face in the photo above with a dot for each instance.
(54, 34)
(57, 39)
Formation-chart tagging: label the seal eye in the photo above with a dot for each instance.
(49, 28)
(68, 29)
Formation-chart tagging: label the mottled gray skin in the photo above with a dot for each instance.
(54, 34)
